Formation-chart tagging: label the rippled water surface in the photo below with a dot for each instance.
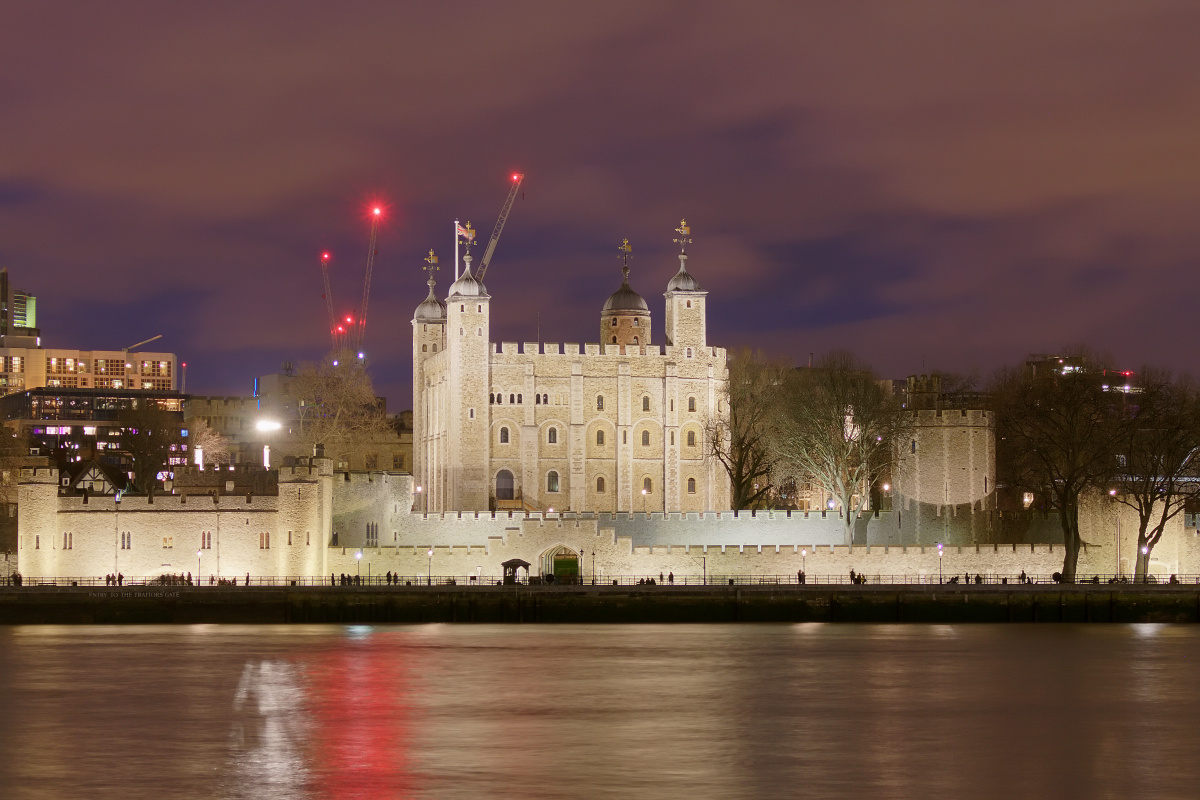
(600, 711)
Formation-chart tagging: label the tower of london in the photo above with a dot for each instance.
(619, 425)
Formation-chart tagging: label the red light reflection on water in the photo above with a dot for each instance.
(359, 695)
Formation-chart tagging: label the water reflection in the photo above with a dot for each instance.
(601, 711)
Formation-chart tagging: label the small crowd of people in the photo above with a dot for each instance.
(114, 580)
(669, 578)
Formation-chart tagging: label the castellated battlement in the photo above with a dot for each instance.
(39, 475)
(163, 503)
(592, 349)
(953, 417)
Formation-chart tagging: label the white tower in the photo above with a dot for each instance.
(468, 450)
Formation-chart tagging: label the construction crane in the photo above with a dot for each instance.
(125, 359)
(333, 321)
(361, 330)
(517, 179)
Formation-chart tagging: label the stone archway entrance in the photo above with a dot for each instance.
(563, 563)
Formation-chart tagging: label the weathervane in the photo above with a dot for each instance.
(685, 234)
(468, 235)
(431, 266)
(625, 250)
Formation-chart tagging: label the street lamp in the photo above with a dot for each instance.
(643, 501)
(198, 552)
(358, 557)
(419, 498)
(1145, 564)
(267, 426)
(939, 562)
(804, 561)
(430, 554)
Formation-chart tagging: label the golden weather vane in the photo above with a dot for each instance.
(431, 266)
(685, 236)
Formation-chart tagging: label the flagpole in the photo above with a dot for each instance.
(456, 249)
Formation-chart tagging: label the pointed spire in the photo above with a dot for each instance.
(625, 250)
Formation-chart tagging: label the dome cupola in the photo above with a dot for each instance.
(625, 318)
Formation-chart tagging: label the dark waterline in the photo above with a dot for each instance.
(710, 711)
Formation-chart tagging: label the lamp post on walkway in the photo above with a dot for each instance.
(430, 566)
(939, 562)
(198, 552)
(803, 561)
(358, 558)
(1145, 564)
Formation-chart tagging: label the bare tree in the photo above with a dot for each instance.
(148, 434)
(1056, 434)
(742, 446)
(838, 429)
(337, 408)
(1156, 457)
(214, 445)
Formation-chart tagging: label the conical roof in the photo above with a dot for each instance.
(431, 309)
(625, 298)
(683, 281)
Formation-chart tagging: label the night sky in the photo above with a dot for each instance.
(932, 185)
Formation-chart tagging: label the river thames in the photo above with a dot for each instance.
(606, 711)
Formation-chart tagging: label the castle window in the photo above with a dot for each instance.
(504, 485)
(471, 414)
(624, 437)
(552, 481)
(492, 398)
(264, 540)
(545, 399)
(537, 399)
(435, 348)
(645, 438)
(672, 403)
(645, 402)
(479, 331)
(614, 341)
(462, 307)
(691, 404)
(479, 308)
(691, 439)
(614, 323)
(460, 331)
(635, 340)
(397, 461)
(519, 399)
(636, 322)
(691, 485)
(307, 538)
(37, 542)
(672, 437)
(600, 402)
(689, 352)
(504, 436)
(289, 538)
(689, 303)
(914, 445)
(647, 485)
(600, 437)
(600, 485)
(424, 348)
(552, 436)
(512, 398)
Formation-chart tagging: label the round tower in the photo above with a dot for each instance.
(625, 318)
(429, 339)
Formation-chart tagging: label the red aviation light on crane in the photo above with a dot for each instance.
(349, 319)
(516, 177)
(324, 256)
(377, 211)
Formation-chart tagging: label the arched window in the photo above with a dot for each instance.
(689, 352)
(635, 340)
(519, 399)
(600, 437)
(504, 436)
(691, 485)
(600, 485)
(492, 398)
(614, 341)
(552, 481)
(504, 485)
(689, 303)
(647, 485)
(435, 348)
(691, 404)
(545, 399)
(691, 438)
(424, 348)
(552, 436)
(599, 402)
(645, 402)
(645, 438)
(614, 319)
(537, 399)
(672, 437)
(512, 398)
(637, 323)
(499, 399)
(914, 445)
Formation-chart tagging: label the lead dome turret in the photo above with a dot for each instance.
(625, 318)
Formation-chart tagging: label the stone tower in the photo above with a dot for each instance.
(625, 318)
(685, 320)
(468, 450)
(429, 339)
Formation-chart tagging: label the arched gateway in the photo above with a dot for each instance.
(563, 563)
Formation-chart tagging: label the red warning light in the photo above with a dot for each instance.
(349, 319)
(325, 256)
(378, 211)
(516, 177)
